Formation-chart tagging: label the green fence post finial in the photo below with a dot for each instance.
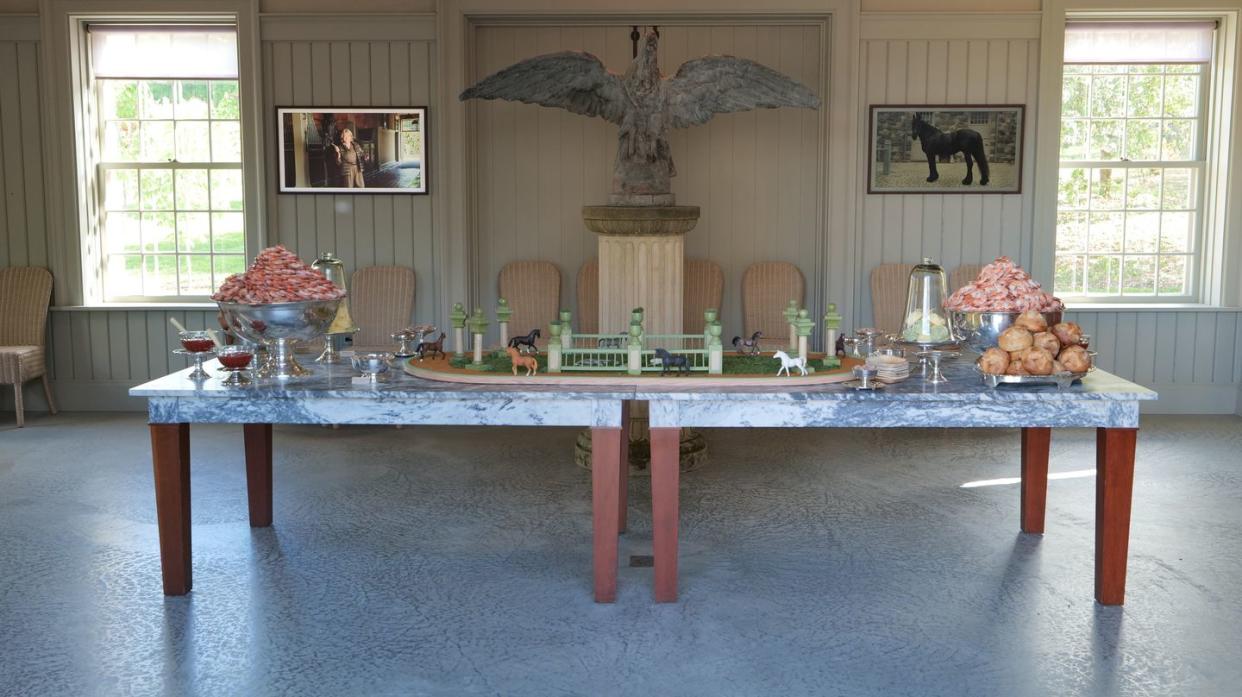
(832, 327)
(503, 314)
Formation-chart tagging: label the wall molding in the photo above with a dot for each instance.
(19, 28)
(411, 27)
(930, 26)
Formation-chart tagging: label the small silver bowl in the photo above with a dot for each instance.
(372, 365)
(865, 375)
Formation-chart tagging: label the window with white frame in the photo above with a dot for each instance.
(1134, 111)
(166, 102)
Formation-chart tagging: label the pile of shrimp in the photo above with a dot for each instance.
(1003, 286)
(277, 276)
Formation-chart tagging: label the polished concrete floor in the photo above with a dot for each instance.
(456, 561)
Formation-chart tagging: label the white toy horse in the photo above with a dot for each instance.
(787, 362)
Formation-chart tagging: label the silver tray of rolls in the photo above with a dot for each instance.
(1062, 380)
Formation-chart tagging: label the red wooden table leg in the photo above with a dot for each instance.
(665, 468)
(258, 438)
(1114, 482)
(170, 454)
(623, 472)
(605, 461)
(1034, 478)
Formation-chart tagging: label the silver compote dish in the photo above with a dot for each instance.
(277, 326)
(980, 330)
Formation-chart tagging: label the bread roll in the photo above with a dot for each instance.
(1068, 333)
(1015, 368)
(1037, 362)
(1032, 321)
(1048, 342)
(1015, 339)
(994, 361)
(1075, 359)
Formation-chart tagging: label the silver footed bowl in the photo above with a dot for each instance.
(980, 330)
(264, 324)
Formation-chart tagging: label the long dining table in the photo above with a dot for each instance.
(331, 396)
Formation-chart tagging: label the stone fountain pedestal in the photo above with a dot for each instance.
(641, 264)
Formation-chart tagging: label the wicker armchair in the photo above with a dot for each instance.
(702, 289)
(767, 288)
(533, 289)
(889, 284)
(24, 296)
(963, 275)
(381, 301)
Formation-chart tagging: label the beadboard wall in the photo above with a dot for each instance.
(1190, 355)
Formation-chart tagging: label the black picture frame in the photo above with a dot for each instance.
(897, 163)
(392, 142)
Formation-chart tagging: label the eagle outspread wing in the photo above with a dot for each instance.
(572, 80)
(714, 85)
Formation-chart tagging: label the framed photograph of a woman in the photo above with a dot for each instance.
(352, 150)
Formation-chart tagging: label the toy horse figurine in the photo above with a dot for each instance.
(668, 360)
(747, 347)
(519, 361)
(518, 342)
(938, 143)
(787, 363)
(432, 347)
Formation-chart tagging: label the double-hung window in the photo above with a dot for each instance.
(1130, 196)
(170, 199)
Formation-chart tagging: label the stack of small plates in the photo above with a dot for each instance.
(890, 368)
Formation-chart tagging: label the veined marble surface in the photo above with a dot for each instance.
(330, 396)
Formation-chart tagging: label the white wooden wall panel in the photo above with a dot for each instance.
(23, 230)
(756, 176)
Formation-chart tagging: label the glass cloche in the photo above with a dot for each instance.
(926, 322)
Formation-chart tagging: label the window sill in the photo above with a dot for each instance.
(128, 307)
(1147, 307)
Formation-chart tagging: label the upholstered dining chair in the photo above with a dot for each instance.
(963, 275)
(533, 289)
(889, 283)
(702, 289)
(586, 319)
(25, 292)
(381, 301)
(767, 288)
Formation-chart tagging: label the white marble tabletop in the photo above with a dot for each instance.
(330, 395)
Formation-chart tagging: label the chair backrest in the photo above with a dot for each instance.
(381, 300)
(586, 321)
(533, 289)
(25, 292)
(963, 275)
(767, 288)
(702, 289)
(889, 284)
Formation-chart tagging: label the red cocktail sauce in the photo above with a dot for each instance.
(197, 345)
(235, 360)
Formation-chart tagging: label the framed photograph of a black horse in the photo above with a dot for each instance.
(942, 149)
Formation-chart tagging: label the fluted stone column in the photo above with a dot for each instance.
(641, 263)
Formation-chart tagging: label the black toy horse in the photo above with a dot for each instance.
(938, 143)
(747, 347)
(518, 342)
(668, 360)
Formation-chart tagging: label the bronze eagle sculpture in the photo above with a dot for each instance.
(644, 104)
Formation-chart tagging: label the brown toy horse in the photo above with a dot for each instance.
(518, 360)
(431, 347)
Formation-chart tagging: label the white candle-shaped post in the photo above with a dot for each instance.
(478, 325)
(503, 314)
(804, 325)
(458, 318)
(791, 315)
(832, 327)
